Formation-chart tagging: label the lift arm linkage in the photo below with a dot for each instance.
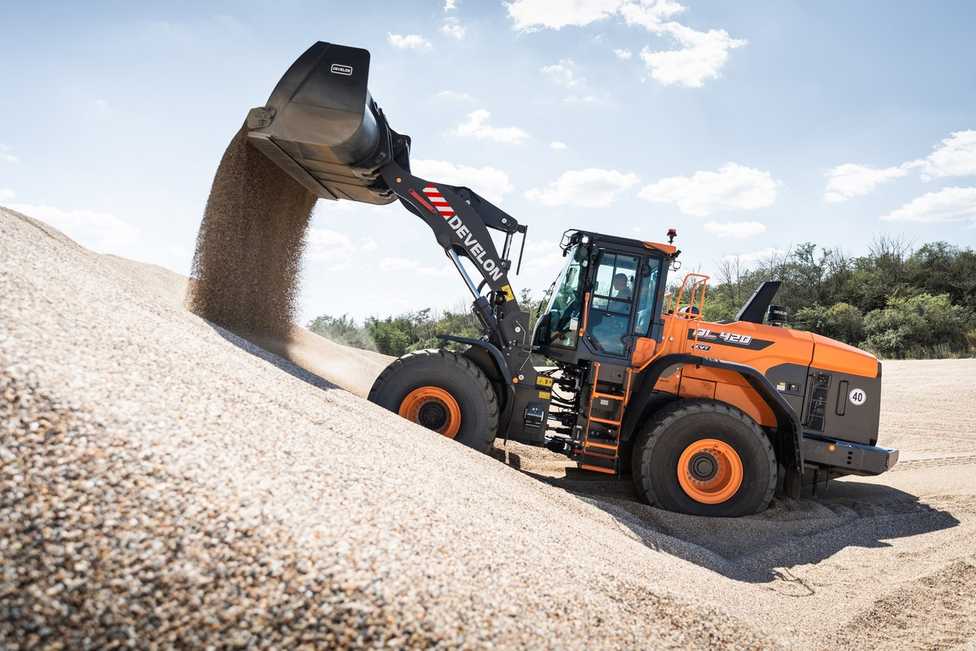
(460, 220)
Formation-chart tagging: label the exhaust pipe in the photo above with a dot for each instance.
(323, 128)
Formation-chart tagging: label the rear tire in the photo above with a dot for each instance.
(428, 385)
(704, 457)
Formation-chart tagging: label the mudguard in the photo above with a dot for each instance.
(788, 422)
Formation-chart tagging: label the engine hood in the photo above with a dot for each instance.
(832, 355)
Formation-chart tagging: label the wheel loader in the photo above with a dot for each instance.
(707, 418)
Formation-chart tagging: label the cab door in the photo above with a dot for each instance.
(611, 304)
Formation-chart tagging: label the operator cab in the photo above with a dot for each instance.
(607, 297)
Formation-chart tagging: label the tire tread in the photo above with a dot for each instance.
(664, 419)
(451, 358)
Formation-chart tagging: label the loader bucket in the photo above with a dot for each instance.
(323, 128)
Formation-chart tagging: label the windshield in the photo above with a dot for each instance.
(560, 322)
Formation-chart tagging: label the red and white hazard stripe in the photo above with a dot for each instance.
(439, 202)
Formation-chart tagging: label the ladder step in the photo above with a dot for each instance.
(609, 396)
(603, 446)
(606, 471)
(605, 421)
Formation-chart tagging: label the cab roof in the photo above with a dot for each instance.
(574, 236)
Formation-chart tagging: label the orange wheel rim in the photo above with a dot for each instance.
(710, 471)
(433, 408)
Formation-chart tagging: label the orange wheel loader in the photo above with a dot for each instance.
(707, 418)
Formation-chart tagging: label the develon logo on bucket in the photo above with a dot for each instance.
(341, 69)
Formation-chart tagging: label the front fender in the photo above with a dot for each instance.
(492, 363)
(787, 420)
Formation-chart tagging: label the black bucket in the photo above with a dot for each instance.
(323, 128)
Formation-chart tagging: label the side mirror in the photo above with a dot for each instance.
(777, 315)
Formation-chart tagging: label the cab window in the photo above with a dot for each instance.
(564, 309)
(612, 301)
(650, 271)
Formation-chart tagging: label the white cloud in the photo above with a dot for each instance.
(701, 54)
(701, 57)
(408, 41)
(650, 14)
(623, 55)
(531, 15)
(558, 145)
(589, 188)
(542, 255)
(99, 231)
(395, 264)
(736, 230)
(752, 257)
(477, 126)
(851, 180)
(454, 96)
(733, 186)
(336, 250)
(6, 194)
(489, 182)
(946, 205)
(585, 99)
(954, 156)
(450, 5)
(564, 73)
(7, 155)
(452, 27)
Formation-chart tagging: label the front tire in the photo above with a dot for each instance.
(442, 391)
(704, 457)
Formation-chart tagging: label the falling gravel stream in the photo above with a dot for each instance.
(250, 245)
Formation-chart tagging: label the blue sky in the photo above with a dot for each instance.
(748, 126)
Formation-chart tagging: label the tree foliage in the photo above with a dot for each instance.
(404, 333)
(894, 301)
(342, 330)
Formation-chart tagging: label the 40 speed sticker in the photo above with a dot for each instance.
(857, 397)
(724, 338)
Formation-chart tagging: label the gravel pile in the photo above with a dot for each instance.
(160, 485)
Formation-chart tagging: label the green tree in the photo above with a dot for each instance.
(919, 326)
(342, 330)
(841, 321)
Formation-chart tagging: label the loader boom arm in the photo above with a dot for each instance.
(322, 127)
(460, 219)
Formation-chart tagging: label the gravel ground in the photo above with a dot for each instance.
(163, 482)
(163, 486)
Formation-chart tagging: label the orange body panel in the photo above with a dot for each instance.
(832, 355)
(644, 350)
(666, 249)
(759, 346)
(745, 398)
(691, 387)
(727, 386)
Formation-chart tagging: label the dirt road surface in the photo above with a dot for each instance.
(164, 480)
